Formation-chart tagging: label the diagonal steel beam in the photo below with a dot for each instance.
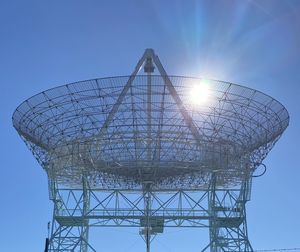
(123, 93)
(149, 53)
(187, 118)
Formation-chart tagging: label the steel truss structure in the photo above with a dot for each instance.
(135, 151)
(220, 210)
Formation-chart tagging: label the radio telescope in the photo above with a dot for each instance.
(150, 151)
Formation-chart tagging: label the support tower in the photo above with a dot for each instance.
(150, 151)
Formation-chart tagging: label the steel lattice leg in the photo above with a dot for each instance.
(70, 227)
(228, 226)
(69, 238)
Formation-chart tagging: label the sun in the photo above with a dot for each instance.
(199, 93)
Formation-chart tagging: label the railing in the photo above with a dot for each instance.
(134, 213)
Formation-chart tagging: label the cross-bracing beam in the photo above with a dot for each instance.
(222, 211)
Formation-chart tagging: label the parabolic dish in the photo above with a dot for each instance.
(125, 138)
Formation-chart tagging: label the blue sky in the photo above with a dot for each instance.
(48, 43)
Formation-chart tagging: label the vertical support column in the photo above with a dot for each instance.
(212, 222)
(70, 226)
(85, 223)
(149, 69)
(148, 222)
(146, 230)
(228, 225)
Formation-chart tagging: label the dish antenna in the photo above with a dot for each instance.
(151, 151)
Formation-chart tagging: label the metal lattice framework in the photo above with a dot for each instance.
(100, 128)
(144, 134)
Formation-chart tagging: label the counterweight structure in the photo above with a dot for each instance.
(136, 151)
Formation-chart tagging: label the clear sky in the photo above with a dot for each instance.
(47, 43)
